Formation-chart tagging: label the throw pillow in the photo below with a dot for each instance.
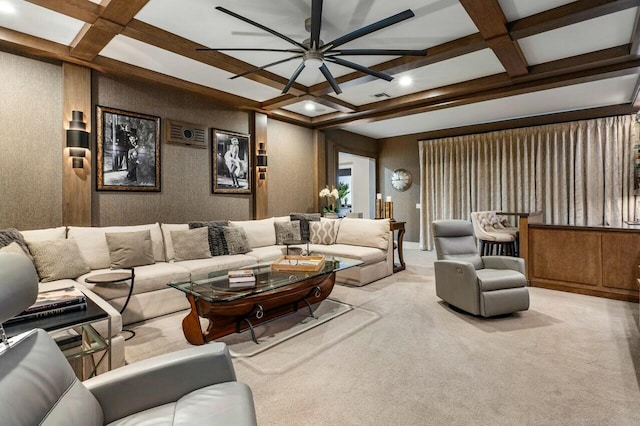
(323, 232)
(58, 259)
(287, 231)
(304, 219)
(12, 235)
(191, 244)
(128, 249)
(236, 239)
(217, 243)
(12, 248)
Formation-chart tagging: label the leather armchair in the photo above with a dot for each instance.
(38, 386)
(480, 285)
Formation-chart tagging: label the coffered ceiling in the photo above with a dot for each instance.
(485, 60)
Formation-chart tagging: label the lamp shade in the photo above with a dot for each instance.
(261, 160)
(77, 139)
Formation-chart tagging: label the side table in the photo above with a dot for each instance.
(114, 278)
(108, 278)
(296, 242)
(398, 226)
(81, 321)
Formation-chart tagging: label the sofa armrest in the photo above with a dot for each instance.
(504, 262)
(160, 380)
(457, 284)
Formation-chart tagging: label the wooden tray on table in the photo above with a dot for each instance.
(297, 263)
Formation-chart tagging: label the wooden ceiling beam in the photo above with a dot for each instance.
(449, 50)
(634, 49)
(550, 69)
(524, 86)
(95, 36)
(488, 16)
(82, 10)
(328, 101)
(155, 36)
(568, 14)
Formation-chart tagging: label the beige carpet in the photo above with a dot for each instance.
(569, 360)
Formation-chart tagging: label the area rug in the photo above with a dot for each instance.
(270, 334)
(334, 321)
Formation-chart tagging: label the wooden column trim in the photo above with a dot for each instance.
(76, 183)
(319, 167)
(261, 199)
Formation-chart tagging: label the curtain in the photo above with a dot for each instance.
(577, 173)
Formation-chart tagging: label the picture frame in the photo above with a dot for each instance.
(231, 163)
(128, 151)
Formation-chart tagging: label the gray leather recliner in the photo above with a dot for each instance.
(38, 386)
(480, 285)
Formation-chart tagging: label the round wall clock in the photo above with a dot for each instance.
(401, 179)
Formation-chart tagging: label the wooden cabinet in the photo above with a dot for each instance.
(590, 260)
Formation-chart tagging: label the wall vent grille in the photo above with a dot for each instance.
(186, 134)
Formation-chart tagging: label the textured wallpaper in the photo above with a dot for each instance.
(31, 143)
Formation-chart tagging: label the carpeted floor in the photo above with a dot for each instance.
(409, 359)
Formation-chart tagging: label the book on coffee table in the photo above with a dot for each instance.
(241, 278)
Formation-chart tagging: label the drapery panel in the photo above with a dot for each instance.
(577, 173)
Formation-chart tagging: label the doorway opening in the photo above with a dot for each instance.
(359, 173)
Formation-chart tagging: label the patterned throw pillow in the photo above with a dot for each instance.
(236, 239)
(287, 231)
(12, 235)
(322, 232)
(128, 249)
(217, 243)
(191, 244)
(304, 219)
(58, 259)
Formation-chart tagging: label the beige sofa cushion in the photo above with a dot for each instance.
(268, 254)
(148, 278)
(191, 244)
(259, 233)
(168, 241)
(93, 244)
(200, 268)
(59, 233)
(364, 232)
(368, 255)
(57, 259)
(128, 249)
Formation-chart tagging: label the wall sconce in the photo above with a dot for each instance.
(77, 139)
(261, 161)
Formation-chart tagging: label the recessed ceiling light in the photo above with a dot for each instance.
(405, 81)
(8, 8)
(309, 106)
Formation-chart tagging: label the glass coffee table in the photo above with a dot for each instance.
(276, 293)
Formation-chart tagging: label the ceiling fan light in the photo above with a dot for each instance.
(405, 81)
(309, 106)
(313, 62)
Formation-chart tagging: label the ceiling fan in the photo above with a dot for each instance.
(315, 52)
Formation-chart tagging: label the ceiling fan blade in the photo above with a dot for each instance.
(246, 49)
(360, 68)
(262, 27)
(392, 52)
(332, 81)
(265, 66)
(316, 22)
(293, 78)
(371, 28)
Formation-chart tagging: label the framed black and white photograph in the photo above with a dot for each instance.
(128, 151)
(231, 162)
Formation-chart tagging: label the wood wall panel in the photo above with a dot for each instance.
(620, 266)
(598, 261)
(30, 143)
(76, 183)
(259, 135)
(566, 256)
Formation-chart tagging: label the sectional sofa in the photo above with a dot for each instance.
(370, 241)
